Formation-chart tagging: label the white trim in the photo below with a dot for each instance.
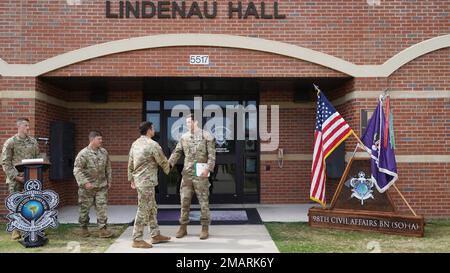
(353, 95)
(109, 105)
(422, 158)
(290, 104)
(36, 95)
(406, 158)
(287, 157)
(364, 155)
(31, 94)
(415, 51)
(389, 184)
(228, 41)
(395, 94)
(18, 94)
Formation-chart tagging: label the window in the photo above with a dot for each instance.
(153, 115)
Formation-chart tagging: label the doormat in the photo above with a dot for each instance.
(249, 216)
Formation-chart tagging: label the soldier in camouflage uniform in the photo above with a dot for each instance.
(198, 146)
(144, 157)
(18, 147)
(92, 170)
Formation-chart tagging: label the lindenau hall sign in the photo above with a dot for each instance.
(195, 9)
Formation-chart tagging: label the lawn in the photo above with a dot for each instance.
(300, 238)
(65, 238)
(288, 237)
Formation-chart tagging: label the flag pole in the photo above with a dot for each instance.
(342, 181)
(395, 187)
(359, 140)
(317, 88)
(401, 195)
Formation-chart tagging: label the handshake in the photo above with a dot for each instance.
(200, 170)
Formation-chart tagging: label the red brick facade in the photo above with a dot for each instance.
(351, 30)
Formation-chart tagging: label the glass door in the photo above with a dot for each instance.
(236, 175)
(226, 180)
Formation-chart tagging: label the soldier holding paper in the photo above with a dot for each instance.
(198, 146)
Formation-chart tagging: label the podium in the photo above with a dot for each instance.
(33, 170)
(32, 211)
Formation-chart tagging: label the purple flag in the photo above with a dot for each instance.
(383, 165)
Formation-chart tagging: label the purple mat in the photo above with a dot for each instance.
(216, 215)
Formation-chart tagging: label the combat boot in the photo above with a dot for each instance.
(160, 239)
(204, 234)
(182, 231)
(105, 233)
(141, 244)
(15, 235)
(84, 232)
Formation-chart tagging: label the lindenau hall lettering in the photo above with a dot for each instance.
(181, 9)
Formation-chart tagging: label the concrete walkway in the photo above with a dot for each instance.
(125, 214)
(223, 238)
(116, 214)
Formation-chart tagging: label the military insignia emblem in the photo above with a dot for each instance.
(31, 212)
(362, 187)
(221, 134)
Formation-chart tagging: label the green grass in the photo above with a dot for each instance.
(65, 238)
(300, 238)
(289, 237)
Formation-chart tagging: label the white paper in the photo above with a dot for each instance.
(200, 168)
(32, 160)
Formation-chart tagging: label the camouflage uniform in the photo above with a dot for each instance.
(144, 158)
(199, 146)
(94, 167)
(14, 150)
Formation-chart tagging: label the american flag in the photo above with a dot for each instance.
(331, 130)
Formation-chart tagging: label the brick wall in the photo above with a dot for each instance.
(351, 30)
(348, 29)
(174, 61)
(10, 109)
(119, 128)
(428, 72)
(287, 185)
(413, 120)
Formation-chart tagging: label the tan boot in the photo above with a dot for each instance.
(141, 244)
(15, 235)
(160, 239)
(204, 234)
(85, 232)
(182, 231)
(105, 233)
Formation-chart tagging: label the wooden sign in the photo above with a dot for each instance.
(376, 213)
(379, 202)
(384, 222)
